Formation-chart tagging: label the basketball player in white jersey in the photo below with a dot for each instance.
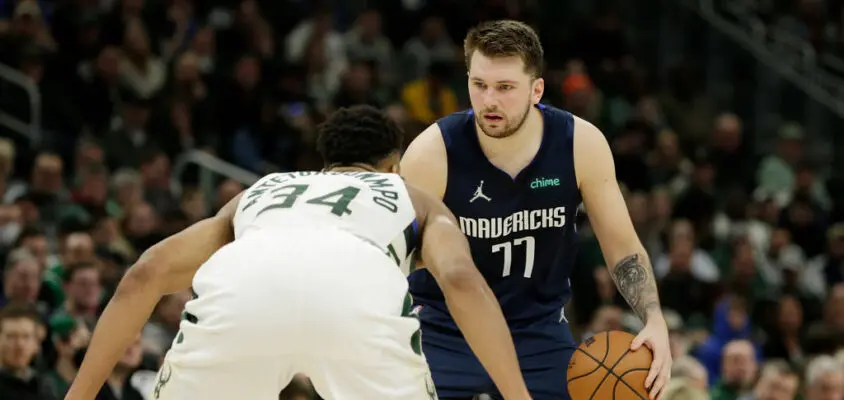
(305, 272)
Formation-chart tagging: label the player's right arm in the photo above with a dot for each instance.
(474, 307)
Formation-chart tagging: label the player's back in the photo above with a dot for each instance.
(375, 207)
(521, 231)
(314, 261)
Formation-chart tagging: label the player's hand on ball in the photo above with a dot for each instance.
(655, 336)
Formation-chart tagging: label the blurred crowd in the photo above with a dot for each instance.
(748, 246)
(816, 24)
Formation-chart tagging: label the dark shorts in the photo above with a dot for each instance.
(544, 349)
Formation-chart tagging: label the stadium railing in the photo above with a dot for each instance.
(781, 52)
(209, 166)
(30, 130)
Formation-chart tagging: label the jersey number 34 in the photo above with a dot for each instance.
(507, 247)
(338, 200)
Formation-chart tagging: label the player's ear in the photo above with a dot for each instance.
(538, 90)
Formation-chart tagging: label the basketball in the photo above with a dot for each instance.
(603, 367)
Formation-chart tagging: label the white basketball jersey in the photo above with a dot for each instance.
(373, 206)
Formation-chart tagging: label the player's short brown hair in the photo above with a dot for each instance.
(506, 38)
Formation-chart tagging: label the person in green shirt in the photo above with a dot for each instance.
(738, 371)
(69, 337)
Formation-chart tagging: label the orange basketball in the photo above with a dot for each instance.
(605, 368)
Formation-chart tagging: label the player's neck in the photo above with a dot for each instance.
(528, 136)
(355, 167)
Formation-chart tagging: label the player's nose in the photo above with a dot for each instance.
(490, 99)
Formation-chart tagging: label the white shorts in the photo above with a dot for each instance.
(272, 304)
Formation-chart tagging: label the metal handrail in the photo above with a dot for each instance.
(817, 67)
(32, 130)
(208, 164)
(810, 85)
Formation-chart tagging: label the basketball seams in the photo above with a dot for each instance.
(610, 371)
(600, 363)
(621, 379)
(588, 373)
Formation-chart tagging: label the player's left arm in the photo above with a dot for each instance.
(626, 258)
(167, 267)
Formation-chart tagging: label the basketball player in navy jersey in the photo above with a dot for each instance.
(514, 173)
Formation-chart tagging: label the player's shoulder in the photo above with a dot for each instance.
(425, 162)
(592, 154)
(587, 136)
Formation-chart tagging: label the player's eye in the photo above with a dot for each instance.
(505, 87)
(480, 85)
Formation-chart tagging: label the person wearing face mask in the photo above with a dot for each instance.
(11, 224)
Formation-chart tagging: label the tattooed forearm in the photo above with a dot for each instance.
(635, 282)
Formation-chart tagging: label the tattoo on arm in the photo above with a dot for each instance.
(635, 282)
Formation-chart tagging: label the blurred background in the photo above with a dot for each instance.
(123, 121)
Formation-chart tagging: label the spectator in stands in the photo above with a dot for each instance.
(204, 48)
(824, 379)
(702, 266)
(607, 318)
(669, 166)
(34, 240)
(831, 327)
(689, 369)
(7, 162)
(46, 178)
(730, 152)
(738, 371)
(679, 288)
(777, 381)
(786, 341)
(127, 190)
(140, 226)
(316, 44)
(69, 338)
(366, 43)
(11, 225)
(827, 270)
(28, 26)
(120, 384)
(680, 389)
(129, 138)
(140, 69)
(163, 327)
(22, 281)
(226, 191)
(357, 86)
(155, 178)
(430, 45)
(19, 326)
(90, 195)
(429, 98)
(99, 85)
(83, 294)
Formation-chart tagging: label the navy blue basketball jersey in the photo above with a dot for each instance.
(521, 231)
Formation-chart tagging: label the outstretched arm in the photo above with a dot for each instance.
(167, 267)
(472, 304)
(626, 257)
